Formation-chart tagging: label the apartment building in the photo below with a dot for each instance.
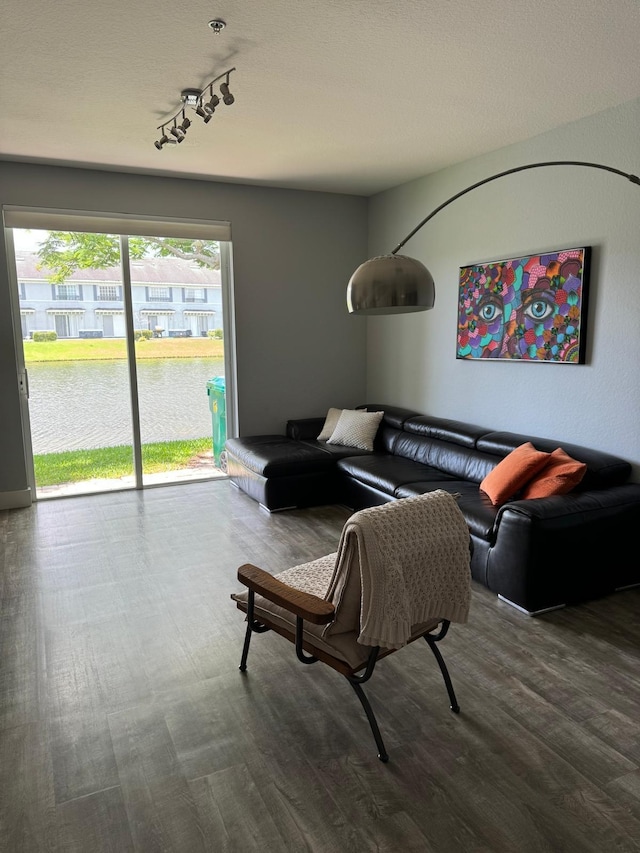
(170, 297)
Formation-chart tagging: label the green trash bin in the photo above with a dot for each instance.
(218, 409)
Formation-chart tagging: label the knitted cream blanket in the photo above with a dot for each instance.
(414, 565)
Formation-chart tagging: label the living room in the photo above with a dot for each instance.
(331, 358)
(562, 687)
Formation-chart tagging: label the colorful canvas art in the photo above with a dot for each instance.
(531, 308)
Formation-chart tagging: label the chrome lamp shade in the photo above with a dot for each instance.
(390, 284)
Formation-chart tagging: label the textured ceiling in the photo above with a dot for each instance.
(342, 95)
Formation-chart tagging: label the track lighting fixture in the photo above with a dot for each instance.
(194, 99)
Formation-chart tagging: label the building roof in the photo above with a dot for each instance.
(152, 271)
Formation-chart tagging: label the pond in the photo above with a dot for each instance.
(80, 405)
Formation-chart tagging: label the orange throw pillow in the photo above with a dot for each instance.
(511, 474)
(559, 476)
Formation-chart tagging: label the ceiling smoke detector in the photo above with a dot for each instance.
(217, 25)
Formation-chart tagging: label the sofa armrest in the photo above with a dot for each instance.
(575, 508)
(552, 551)
(305, 429)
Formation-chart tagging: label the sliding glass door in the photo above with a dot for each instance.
(81, 430)
(123, 350)
(179, 350)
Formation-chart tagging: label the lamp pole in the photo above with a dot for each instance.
(633, 178)
(397, 284)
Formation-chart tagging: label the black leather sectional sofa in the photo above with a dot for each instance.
(536, 554)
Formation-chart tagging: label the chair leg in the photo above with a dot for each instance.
(445, 672)
(382, 752)
(245, 649)
(252, 626)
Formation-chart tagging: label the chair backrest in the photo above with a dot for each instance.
(399, 565)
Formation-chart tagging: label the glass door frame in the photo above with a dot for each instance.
(229, 339)
(127, 296)
(23, 375)
(229, 350)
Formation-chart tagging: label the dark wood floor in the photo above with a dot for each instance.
(126, 726)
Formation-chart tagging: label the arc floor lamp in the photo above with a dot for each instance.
(397, 284)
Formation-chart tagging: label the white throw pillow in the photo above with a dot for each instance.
(356, 429)
(333, 415)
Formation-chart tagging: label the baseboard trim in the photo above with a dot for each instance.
(628, 586)
(15, 500)
(530, 612)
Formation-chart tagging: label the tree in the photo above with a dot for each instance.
(64, 252)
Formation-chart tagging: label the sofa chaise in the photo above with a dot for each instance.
(536, 554)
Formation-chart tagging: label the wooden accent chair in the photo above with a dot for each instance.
(401, 572)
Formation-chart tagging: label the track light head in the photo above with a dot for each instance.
(227, 97)
(179, 134)
(186, 123)
(159, 143)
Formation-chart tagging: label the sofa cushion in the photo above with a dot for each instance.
(386, 473)
(337, 451)
(603, 469)
(445, 429)
(559, 476)
(277, 455)
(394, 416)
(479, 513)
(512, 472)
(458, 460)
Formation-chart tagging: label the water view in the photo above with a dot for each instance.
(78, 405)
(75, 323)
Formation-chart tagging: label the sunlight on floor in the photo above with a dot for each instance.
(88, 487)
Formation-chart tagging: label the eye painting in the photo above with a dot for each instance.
(531, 308)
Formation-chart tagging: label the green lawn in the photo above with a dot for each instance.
(91, 349)
(71, 466)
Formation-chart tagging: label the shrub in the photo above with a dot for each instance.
(44, 336)
(142, 334)
(215, 333)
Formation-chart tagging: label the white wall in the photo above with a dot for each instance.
(411, 358)
(298, 349)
